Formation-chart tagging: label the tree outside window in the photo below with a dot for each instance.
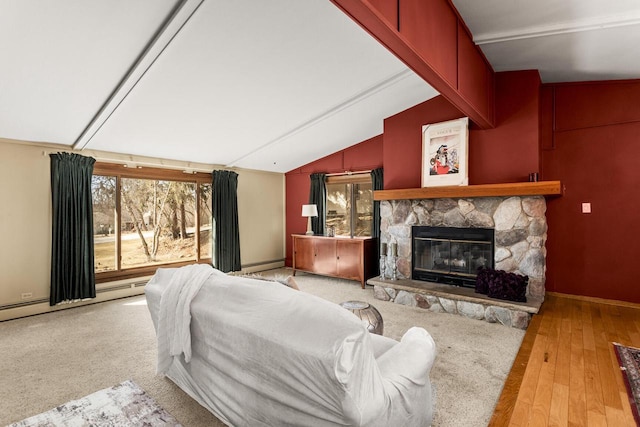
(350, 204)
(144, 221)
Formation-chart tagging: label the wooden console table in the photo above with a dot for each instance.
(344, 257)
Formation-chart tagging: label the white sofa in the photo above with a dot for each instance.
(259, 353)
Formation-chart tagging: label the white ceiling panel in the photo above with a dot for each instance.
(357, 121)
(489, 19)
(571, 57)
(568, 40)
(62, 59)
(243, 74)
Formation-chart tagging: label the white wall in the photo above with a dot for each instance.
(25, 223)
(261, 216)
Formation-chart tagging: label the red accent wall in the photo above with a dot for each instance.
(593, 149)
(588, 134)
(506, 153)
(366, 155)
(402, 148)
(511, 150)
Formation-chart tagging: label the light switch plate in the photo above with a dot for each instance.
(586, 208)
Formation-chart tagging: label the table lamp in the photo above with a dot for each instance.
(309, 211)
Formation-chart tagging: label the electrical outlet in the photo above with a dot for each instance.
(26, 295)
(586, 208)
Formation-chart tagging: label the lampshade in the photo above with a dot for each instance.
(309, 210)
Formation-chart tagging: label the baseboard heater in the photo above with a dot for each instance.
(121, 287)
(98, 291)
(256, 264)
(24, 303)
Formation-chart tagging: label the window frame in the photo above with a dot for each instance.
(120, 171)
(350, 178)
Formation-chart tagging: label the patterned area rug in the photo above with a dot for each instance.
(125, 404)
(629, 359)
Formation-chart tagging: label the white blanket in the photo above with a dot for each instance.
(267, 355)
(174, 322)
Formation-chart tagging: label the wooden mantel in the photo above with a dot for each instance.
(541, 188)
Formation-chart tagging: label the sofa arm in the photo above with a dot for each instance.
(381, 345)
(410, 361)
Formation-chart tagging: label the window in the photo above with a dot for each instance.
(350, 204)
(148, 217)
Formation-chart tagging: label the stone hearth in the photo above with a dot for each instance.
(440, 298)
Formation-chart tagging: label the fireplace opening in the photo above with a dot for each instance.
(450, 255)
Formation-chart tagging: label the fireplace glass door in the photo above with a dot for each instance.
(448, 259)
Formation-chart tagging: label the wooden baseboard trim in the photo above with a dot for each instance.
(596, 300)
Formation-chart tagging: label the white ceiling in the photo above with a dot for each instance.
(566, 40)
(268, 85)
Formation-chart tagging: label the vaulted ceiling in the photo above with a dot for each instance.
(268, 85)
(565, 40)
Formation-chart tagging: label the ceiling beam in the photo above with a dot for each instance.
(180, 15)
(376, 24)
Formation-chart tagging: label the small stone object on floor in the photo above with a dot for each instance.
(368, 314)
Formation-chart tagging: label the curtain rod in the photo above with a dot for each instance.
(133, 164)
(348, 173)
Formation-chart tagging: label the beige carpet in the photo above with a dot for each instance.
(49, 359)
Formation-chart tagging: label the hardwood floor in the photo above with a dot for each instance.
(566, 372)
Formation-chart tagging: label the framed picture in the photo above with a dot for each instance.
(444, 153)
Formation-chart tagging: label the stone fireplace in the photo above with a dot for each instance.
(519, 222)
(520, 232)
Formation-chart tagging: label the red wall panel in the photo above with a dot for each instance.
(582, 105)
(507, 153)
(431, 27)
(594, 254)
(297, 190)
(510, 151)
(364, 156)
(402, 148)
(388, 8)
(546, 118)
(472, 73)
